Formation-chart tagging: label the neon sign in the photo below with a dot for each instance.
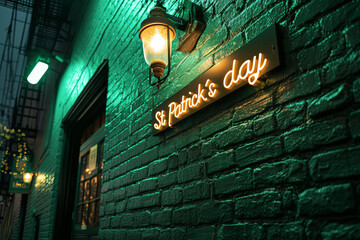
(243, 67)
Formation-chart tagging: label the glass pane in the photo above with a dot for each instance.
(85, 215)
(92, 214)
(81, 192)
(93, 188)
(87, 191)
(97, 212)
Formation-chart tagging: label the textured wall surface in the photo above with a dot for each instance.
(280, 162)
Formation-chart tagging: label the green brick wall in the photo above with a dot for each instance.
(273, 163)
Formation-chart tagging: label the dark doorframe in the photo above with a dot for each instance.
(92, 98)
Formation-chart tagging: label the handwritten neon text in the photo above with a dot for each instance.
(248, 71)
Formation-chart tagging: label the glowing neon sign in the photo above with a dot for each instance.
(243, 67)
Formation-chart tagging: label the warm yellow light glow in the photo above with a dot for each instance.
(249, 70)
(157, 42)
(187, 102)
(154, 40)
(27, 177)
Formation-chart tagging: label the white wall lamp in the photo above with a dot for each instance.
(157, 33)
(38, 71)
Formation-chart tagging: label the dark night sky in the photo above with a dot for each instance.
(11, 57)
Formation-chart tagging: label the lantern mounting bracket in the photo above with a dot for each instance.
(193, 27)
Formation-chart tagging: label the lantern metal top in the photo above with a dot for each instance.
(157, 17)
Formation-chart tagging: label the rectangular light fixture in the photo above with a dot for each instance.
(38, 71)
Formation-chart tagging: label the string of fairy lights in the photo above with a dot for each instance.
(17, 137)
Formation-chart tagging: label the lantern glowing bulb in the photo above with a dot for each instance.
(158, 42)
(27, 177)
(37, 73)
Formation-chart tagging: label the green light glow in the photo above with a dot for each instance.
(38, 71)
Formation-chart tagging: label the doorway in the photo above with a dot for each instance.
(78, 197)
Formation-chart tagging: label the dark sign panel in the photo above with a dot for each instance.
(242, 67)
(17, 184)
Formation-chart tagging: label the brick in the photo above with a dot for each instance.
(353, 35)
(148, 200)
(342, 16)
(274, 14)
(133, 234)
(336, 231)
(332, 100)
(150, 234)
(110, 210)
(194, 153)
(196, 191)
(235, 134)
(262, 205)
(187, 138)
(167, 179)
(132, 190)
(265, 124)
(238, 23)
(215, 41)
(215, 212)
(230, 13)
(253, 107)
(138, 148)
(333, 199)
(199, 233)
(139, 174)
(127, 220)
(207, 149)
(173, 233)
(141, 219)
(234, 44)
(288, 171)
(190, 172)
(341, 68)
(294, 231)
(173, 161)
(186, 215)
(318, 54)
(183, 157)
(258, 151)
(124, 180)
(356, 90)
(220, 161)
(222, 5)
(171, 197)
(148, 184)
(313, 9)
(167, 148)
(305, 36)
(354, 124)
(215, 125)
(162, 218)
(158, 166)
(298, 87)
(335, 164)
(240, 231)
(149, 156)
(233, 182)
(291, 115)
(315, 134)
(120, 206)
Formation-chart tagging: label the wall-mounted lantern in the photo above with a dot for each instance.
(157, 33)
(38, 71)
(27, 177)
